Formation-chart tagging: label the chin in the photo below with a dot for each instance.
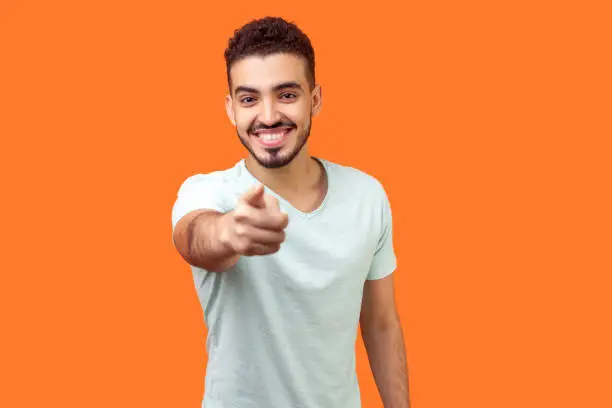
(274, 159)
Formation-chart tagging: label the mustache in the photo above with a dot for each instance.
(260, 126)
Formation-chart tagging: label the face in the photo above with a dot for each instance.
(271, 105)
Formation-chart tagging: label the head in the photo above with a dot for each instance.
(272, 90)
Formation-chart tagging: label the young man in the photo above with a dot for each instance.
(288, 252)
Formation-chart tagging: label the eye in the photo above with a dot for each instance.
(247, 99)
(288, 96)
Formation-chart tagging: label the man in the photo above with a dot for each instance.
(288, 252)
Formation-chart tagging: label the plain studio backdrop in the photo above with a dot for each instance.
(489, 124)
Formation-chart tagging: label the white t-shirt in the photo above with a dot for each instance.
(282, 327)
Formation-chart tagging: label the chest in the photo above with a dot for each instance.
(327, 254)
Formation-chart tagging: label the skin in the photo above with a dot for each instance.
(383, 338)
(274, 92)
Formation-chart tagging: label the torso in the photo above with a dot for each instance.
(282, 327)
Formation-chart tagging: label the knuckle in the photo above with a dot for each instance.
(240, 213)
(243, 246)
(239, 230)
(282, 220)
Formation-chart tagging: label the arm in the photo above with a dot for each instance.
(214, 240)
(384, 342)
(199, 239)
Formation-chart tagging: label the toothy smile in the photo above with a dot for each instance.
(272, 137)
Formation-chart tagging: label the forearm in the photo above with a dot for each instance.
(207, 247)
(387, 357)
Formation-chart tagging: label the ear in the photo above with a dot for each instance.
(316, 99)
(229, 108)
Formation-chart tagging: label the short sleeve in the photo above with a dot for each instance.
(198, 192)
(384, 261)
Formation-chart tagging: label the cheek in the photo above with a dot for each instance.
(243, 120)
(298, 114)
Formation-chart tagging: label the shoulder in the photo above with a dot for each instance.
(212, 190)
(216, 179)
(357, 179)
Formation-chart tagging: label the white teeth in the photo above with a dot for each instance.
(268, 137)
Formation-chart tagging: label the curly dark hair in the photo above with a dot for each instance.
(270, 35)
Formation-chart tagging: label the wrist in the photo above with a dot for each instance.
(222, 232)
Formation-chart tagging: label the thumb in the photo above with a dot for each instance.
(271, 203)
(255, 196)
(273, 208)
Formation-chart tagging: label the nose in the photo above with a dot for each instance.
(269, 115)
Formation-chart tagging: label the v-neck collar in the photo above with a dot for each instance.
(326, 168)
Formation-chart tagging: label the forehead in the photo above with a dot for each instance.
(263, 72)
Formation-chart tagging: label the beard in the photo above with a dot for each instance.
(274, 159)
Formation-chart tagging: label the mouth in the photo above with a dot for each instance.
(269, 138)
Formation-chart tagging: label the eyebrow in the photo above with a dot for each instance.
(275, 88)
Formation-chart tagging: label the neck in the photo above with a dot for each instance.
(303, 173)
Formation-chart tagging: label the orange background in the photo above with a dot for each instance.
(489, 124)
